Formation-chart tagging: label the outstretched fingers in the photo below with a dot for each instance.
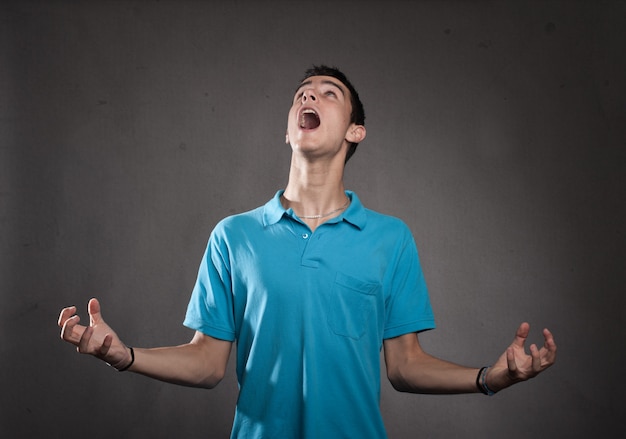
(96, 339)
(95, 315)
(510, 360)
(548, 352)
(521, 335)
(106, 345)
(516, 364)
(71, 331)
(65, 314)
(536, 359)
(92, 343)
(549, 342)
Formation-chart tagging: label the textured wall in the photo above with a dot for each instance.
(495, 130)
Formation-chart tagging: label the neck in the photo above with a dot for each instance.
(315, 189)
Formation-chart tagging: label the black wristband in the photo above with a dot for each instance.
(132, 360)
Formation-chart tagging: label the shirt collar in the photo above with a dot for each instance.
(355, 214)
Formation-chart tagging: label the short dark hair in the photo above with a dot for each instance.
(358, 112)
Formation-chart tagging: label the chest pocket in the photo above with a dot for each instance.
(352, 306)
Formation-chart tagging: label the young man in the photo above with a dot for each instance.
(311, 286)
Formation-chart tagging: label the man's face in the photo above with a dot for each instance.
(319, 118)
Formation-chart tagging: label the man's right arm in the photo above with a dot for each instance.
(199, 363)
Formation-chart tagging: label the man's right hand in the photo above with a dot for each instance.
(97, 339)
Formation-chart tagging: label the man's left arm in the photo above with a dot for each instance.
(411, 369)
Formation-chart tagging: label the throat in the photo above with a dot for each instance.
(309, 121)
(327, 214)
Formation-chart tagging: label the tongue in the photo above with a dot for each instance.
(309, 121)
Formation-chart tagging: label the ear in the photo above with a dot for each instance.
(356, 133)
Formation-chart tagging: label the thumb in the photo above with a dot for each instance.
(521, 335)
(94, 311)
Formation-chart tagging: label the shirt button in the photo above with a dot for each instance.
(305, 235)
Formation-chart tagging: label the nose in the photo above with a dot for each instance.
(308, 95)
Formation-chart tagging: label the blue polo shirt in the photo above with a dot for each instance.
(309, 312)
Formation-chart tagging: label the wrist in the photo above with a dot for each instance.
(481, 381)
(130, 363)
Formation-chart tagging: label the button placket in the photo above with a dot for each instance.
(309, 250)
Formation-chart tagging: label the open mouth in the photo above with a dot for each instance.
(309, 119)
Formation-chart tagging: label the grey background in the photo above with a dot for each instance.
(495, 130)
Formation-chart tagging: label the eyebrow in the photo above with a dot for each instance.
(324, 81)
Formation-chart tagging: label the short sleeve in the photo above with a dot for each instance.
(408, 306)
(210, 309)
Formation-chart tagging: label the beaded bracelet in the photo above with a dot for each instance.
(481, 381)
